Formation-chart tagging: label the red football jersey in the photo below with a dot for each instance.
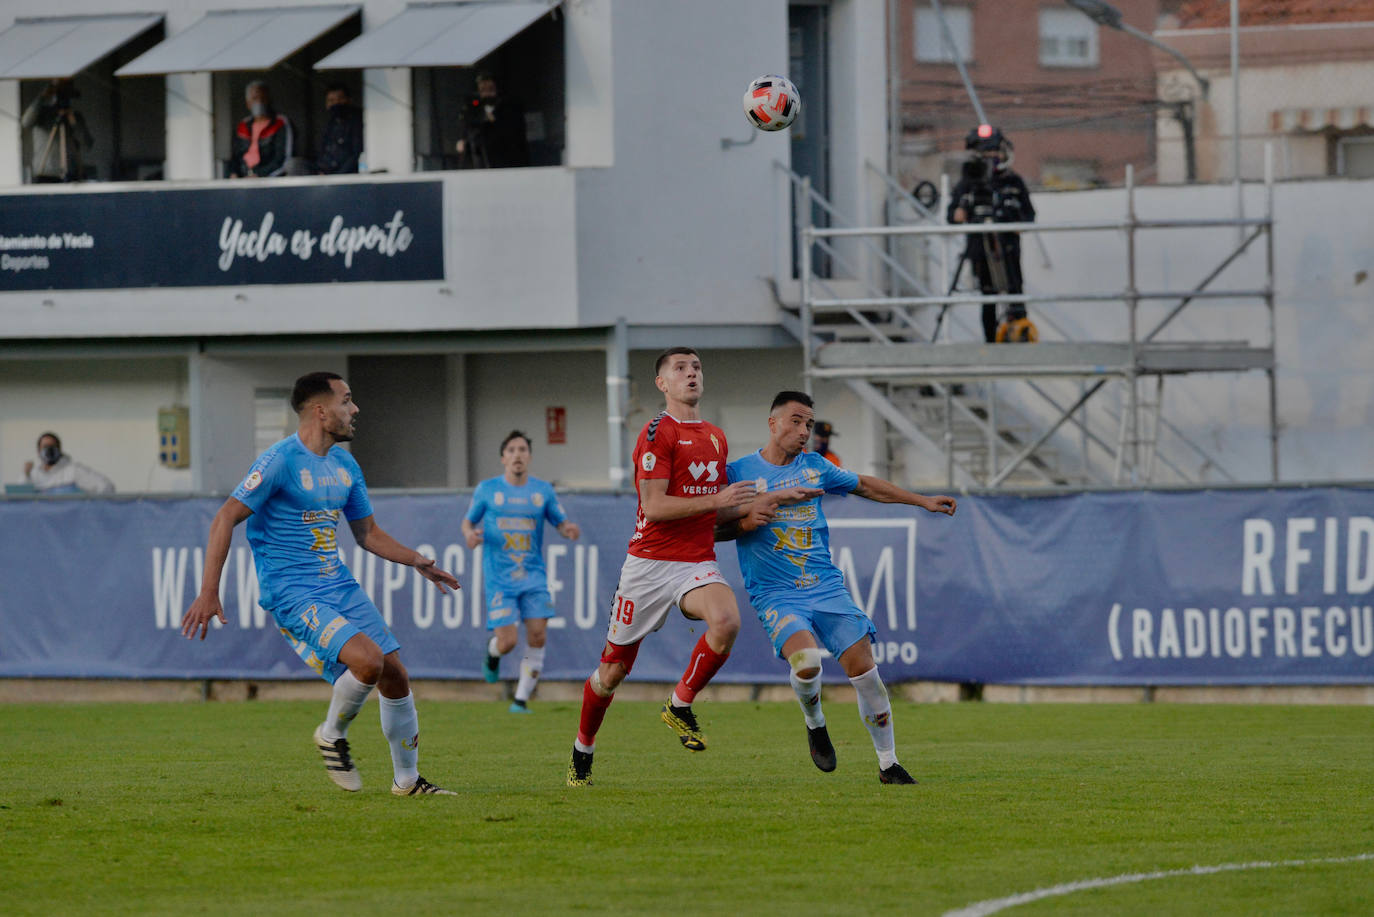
(691, 455)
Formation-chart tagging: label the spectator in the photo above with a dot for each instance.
(60, 135)
(341, 144)
(56, 473)
(263, 141)
(493, 130)
(820, 442)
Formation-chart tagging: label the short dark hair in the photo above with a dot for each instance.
(786, 397)
(672, 352)
(338, 87)
(43, 436)
(310, 385)
(515, 434)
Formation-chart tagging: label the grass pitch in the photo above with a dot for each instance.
(226, 809)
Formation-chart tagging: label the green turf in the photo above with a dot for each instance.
(225, 808)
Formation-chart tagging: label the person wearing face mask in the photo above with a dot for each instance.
(263, 141)
(341, 143)
(56, 473)
(493, 130)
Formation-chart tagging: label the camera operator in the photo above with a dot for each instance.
(60, 134)
(988, 191)
(493, 130)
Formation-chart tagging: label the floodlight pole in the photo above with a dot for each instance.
(958, 62)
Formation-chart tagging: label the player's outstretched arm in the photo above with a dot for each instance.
(207, 604)
(659, 507)
(372, 537)
(880, 491)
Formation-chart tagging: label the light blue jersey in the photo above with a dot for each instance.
(297, 498)
(512, 518)
(793, 551)
(792, 581)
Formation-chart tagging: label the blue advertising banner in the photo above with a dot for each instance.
(239, 234)
(1215, 587)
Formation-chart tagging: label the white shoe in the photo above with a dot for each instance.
(338, 762)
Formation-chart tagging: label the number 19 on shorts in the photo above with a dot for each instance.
(624, 609)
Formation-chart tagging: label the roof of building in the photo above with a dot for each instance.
(1207, 14)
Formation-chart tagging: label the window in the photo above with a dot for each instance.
(1355, 157)
(1067, 39)
(930, 42)
(1069, 174)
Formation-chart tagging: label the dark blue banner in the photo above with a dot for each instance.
(237, 234)
(1217, 587)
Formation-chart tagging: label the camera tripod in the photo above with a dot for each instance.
(58, 133)
(1014, 328)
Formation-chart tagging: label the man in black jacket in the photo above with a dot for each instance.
(494, 130)
(341, 143)
(989, 191)
(264, 140)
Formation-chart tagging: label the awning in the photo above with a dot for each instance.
(37, 49)
(239, 40)
(437, 35)
(1295, 120)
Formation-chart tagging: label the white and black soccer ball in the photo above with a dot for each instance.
(772, 103)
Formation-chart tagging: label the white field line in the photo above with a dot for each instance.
(993, 905)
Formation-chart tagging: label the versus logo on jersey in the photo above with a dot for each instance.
(307, 480)
(252, 481)
(648, 461)
(710, 469)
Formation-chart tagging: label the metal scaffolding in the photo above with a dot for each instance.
(878, 345)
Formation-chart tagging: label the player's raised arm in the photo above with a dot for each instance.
(207, 604)
(372, 537)
(659, 507)
(880, 491)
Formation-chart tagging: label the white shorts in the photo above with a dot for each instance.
(648, 589)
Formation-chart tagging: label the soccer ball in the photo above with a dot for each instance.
(771, 103)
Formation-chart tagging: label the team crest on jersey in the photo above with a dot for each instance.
(761, 485)
(499, 499)
(307, 480)
(715, 442)
(812, 476)
(537, 499)
(253, 480)
(648, 461)
(344, 477)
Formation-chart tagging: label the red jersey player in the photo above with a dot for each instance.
(679, 463)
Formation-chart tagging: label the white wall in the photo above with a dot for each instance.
(1324, 253)
(105, 412)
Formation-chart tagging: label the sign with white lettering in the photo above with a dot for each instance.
(239, 234)
(1214, 587)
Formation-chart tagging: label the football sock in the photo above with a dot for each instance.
(530, 667)
(809, 696)
(401, 726)
(349, 694)
(593, 712)
(492, 649)
(876, 711)
(703, 665)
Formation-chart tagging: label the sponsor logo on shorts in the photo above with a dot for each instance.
(307, 479)
(316, 663)
(776, 628)
(330, 630)
(252, 481)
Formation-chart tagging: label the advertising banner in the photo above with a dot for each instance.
(1214, 587)
(238, 234)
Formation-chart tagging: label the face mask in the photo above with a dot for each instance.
(50, 455)
(258, 109)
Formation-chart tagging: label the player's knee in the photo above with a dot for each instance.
(806, 663)
(504, 643)
(724, 627)
(367, 666)
(607, 678)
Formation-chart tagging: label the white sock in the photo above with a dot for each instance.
(349, 694)
(585, 749)
(876, 711)
(492, 649)
(401, 726)
(530, 667)
(677, 701)
(809, 696)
